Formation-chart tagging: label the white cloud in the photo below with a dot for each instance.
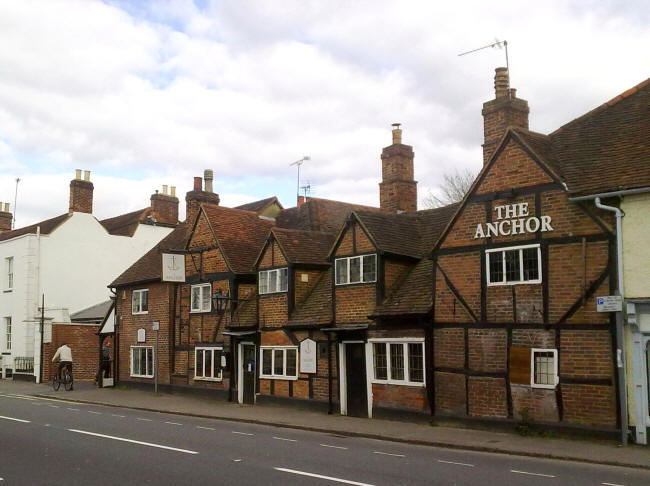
(144, 93)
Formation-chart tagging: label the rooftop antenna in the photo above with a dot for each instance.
(15, 200)
(497, 44)
(298, 163)
(306, 189)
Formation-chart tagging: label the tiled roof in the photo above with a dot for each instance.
(47, 227)
(409, 234)
(607, 149)
(125, 224)
(316, 307)
(318, 215)
(149, 267)
(240, 234)
(257, 206)
(95, 312)
(304, 246)
(412, 295)
(246, 312)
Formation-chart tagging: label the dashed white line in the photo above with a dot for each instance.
(320, 476)
(236, 460)
(388, 454)
(282, 438)
(173, 423)
(54, 406)
(612, 484)
(143, 419)
(532, 474)
(241, 433)
(37, 404)
(73, 409)
(92, 411)
(15, 419)
(122, 439)
(205, 428)
(333, 446)
(116, 415)
(456, 463)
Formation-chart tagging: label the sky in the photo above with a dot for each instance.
(150, 93)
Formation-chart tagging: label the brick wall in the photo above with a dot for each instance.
(81, 196)
(82, 339)
(400, 397)
(487, 397)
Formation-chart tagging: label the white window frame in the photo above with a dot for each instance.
(202, 288)
(216, 367)
(404, 342)
(133, 307)
(9, 273)
(8, 333)
(556, 379)
(153, 361)
(521, 265)
(273, 376)
(347, 276)
(267, 274)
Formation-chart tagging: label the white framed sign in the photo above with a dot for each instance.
(142, 335)
(173, 267)
(155, 326)
(308, 356)
(609, 303)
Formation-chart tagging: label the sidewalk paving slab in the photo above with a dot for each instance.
(599, 452)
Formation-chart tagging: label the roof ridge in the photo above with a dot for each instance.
(608, 104)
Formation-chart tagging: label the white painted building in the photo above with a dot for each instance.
(70, 259)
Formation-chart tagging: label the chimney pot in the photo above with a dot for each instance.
(87, 175)
(77, 174)
(501, 83)
(198, 184)
(397, 133)
(301, 200)
(208, 175)
(165, 189)
(6, 207)
(173, 190)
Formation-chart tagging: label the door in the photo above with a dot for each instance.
(355, 377)
(248, 373)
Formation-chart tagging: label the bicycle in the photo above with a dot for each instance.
(67, 380)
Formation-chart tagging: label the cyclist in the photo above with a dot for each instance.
(64, 354)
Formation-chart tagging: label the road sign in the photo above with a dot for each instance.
(609, 303)
(155, 326)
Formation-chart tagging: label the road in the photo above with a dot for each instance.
(52, 442)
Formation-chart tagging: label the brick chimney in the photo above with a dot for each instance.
(165, 206)
(503, 111)
(397, 189)
(199, 196)
(81, 193)
(5, 218)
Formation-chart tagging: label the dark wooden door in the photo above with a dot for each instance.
(248, 373)
(355, 374)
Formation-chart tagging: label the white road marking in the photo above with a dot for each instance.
(144, 419)
(37, 404)
(15, 419)
(115, 415)
(241, 433)
(236, 460)
(456, 463)
(92, 411)
(282, 438)
(532, 474)
(205, 428)
(54, 406)
(17, 396)
(73, 409)
(122, 439)
(333, 447)
(173, 423)
(388, 454)
(612, 484)
(319, 476)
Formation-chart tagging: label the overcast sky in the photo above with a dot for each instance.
(150, 93)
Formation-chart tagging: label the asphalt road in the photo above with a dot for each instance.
(51, 442)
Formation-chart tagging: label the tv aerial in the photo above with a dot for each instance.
(497, 44)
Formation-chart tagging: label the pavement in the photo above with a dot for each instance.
(590, 451)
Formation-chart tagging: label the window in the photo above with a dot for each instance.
(273, 280)
(358, 269)
(9, 267)
(200, 298)
(516, 265)
(279, 363)
(399, 362)
(142, 361)
(140, 302)
(543, 368)
(8, 331)
(207, 363)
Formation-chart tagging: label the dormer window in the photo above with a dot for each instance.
(272, 281)
(356, 269)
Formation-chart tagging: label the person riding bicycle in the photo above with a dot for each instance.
(64, 354)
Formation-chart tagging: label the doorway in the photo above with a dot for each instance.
(355, 399)
(247, 373)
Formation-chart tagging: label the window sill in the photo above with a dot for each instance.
(504, 284)
(353, 284)
(200, 311)
(267, 377)
(139, 313)
(547, 387)
(141, 376)
(400, 383)
(214, 380)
